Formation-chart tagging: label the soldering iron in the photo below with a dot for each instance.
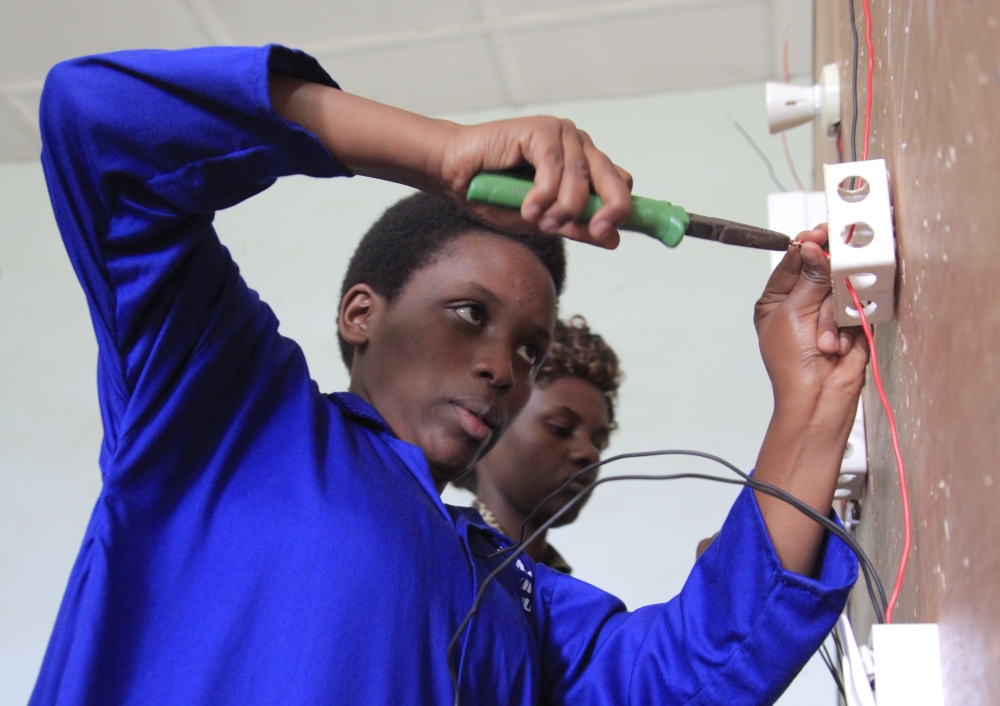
(662, 220)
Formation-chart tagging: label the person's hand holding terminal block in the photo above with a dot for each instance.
(257, 541)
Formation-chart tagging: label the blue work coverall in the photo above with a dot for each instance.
(259, 542)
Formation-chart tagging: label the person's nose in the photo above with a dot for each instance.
(495, 364)
(584, 452)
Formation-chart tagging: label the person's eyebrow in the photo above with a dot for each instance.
(540, 332)
(571, 412)
(487, 293)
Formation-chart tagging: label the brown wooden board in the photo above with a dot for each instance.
(936, 122)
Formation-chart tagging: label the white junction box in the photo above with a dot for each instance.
(862, 245)
(902, 668)
(907, 665)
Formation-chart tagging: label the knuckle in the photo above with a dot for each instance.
(550, 123)
(578, 167)
(553, 158)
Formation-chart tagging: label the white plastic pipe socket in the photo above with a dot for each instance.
(789, 106)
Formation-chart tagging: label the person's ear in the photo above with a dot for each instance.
(359, 311)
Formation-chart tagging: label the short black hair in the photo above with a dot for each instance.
(408, 237)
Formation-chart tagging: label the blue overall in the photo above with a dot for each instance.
(259, 542)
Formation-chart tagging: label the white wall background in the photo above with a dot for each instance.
(680, 320)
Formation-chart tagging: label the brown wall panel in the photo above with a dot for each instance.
(936, 122)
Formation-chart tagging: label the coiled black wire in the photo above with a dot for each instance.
(872, 581)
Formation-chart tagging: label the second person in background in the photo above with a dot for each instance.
(564, 427)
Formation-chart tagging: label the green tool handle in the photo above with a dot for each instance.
(659, 219)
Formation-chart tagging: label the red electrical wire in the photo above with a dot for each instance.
(784, 138)
(895, 448)
(904, 493)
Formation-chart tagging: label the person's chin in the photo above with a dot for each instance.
(453, 456)
(562, 501)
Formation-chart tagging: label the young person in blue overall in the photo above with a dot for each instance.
(256, 541)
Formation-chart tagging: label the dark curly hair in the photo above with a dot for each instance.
(412, 233)
(575, 351)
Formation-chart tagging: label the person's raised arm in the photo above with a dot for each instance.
(139, 149)
(441, 157)
(816, 372)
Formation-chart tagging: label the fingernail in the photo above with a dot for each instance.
(828, 340)
(548, 223)
(601, 228)
(532, 212)
(809, 255)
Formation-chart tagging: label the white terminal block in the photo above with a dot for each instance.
(862, 245)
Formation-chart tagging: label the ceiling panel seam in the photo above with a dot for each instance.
(529, 21)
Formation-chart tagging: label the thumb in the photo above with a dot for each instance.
(814, 278)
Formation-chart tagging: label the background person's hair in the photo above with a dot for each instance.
(412, 233)
(575, 351)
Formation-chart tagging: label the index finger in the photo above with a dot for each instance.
(611, 186)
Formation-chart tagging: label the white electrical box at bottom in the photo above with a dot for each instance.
(907, 665)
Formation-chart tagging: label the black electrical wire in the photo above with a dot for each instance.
(760, 153)
(872, 580)
(834, 672)
(867, 567)
(839, 647)
(854, 87)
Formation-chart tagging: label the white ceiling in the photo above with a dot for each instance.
(427, 55)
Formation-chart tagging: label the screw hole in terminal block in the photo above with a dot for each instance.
(853, 189)
(863, 280)
(868, 308)
(857, 235)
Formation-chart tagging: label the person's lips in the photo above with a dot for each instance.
(478, 419)
(577, 487)
(581, 483)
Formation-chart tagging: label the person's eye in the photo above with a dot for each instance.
(471, 313)
(530, 353)
(560, 431)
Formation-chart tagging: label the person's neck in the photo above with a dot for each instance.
(357, 387)
(510, 519)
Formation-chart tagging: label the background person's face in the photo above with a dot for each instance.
(563, 428)
(453, 358)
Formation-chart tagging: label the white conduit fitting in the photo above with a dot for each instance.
(789, 106)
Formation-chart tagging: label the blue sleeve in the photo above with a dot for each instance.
(737, 634)
(140, 148)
